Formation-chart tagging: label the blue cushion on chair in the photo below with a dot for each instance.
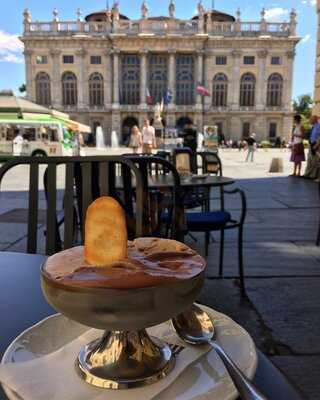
(207, 221)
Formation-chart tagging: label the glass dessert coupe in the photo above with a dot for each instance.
(126, 356)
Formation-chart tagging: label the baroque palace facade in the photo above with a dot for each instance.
(109, 70)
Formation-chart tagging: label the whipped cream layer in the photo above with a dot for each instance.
(150, 262)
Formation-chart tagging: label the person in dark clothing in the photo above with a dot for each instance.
(190, 138)
(251, 144)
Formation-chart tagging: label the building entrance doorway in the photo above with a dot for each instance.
(127, 125)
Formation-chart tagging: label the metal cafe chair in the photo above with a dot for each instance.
(184, 160)
(161, 199)
(211, 163)
(104, 181)
(221, 220)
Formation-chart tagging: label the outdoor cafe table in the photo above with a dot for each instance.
(22, 304)
(166, 181)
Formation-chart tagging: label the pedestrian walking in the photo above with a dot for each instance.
(251, 147)
(135, 139)
(297, 147)
(148, 138)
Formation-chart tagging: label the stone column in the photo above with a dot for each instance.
(199, 78)
(116, 53)
(287, 126)
(234, 86)
(29, 75)
(56, 85)
(172, 78)
(287, 87)
(261, 87)
(82, 81)
(108, 81)
(143, 78)
(208, 60)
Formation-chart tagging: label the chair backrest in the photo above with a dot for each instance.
(184, 160)
(90, 176)
(211, 163)
(149, 165)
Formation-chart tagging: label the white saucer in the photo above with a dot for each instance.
(206, 379)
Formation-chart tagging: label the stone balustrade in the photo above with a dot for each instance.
(161, 27)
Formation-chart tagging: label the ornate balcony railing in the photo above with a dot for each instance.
(160, 27)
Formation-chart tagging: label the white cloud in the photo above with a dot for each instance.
(10, 48)
(276, 14)
(309, 2)
(306, 38)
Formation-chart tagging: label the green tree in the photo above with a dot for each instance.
(23, 88)
(303, 105)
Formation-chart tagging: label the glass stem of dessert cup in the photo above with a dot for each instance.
(125, 359)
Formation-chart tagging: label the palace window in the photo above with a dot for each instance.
(185, 89)
(248, 60)
(95, 60)
(130, 77)
(220, 90)
(274, 92)
(43, 89)
(96, 96)
(275, 60)
(67, 59)
(158, 77)
(247, 90)
(221, 60)
(69, 89)
(41, 59)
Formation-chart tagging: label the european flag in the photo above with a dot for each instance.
(168, 96)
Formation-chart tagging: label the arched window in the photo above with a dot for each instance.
(43, 89)
(96, 97)
(185, 89)
(274, 92)
(130, 76)
(158, 77)
(220, 90)
(69, 89)
(247, 90)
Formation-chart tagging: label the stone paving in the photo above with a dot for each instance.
(282, 263)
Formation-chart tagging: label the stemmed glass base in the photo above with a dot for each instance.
(125, 359)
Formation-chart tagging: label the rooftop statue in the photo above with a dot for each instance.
(172, 9)
(144, 10)
(200, 8)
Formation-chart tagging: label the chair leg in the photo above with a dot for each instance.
(207, 241)
(318, 237)
(221, 256)
(240, 255)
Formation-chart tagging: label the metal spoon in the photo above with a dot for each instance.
(195, 327)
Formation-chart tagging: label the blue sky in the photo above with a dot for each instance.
(11, 59)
